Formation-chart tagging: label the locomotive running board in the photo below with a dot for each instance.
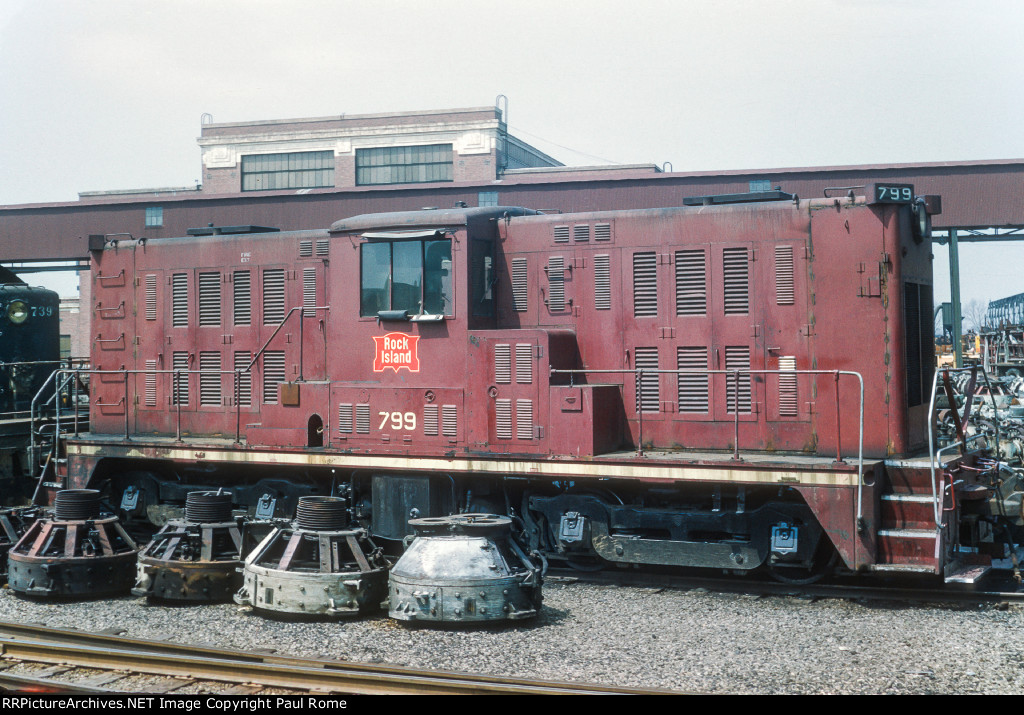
(666, 469)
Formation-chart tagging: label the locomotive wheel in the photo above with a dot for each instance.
(825, 557)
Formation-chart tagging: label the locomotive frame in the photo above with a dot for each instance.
(499, 360)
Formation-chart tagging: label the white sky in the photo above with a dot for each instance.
(108, 94)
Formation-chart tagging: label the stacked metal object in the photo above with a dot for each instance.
(464, 569)
(76, 552)
(197, 558)
(315, 565)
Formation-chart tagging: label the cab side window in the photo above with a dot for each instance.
(414, 276)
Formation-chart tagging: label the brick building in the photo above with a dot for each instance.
(448, 145)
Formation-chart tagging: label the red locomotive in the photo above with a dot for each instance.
(737, 383)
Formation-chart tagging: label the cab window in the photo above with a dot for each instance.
(411, 276)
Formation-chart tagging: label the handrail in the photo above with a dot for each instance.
(278, 329)
(639, 372)
(175, 389)
(933, 453)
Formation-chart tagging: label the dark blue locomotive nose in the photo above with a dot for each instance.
(29, 343)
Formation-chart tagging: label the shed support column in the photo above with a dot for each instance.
(954, 297)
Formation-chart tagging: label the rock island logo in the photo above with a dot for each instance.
(396, 351)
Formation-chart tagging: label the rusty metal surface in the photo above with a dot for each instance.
(67, 558)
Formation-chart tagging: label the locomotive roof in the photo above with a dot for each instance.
(427, 218)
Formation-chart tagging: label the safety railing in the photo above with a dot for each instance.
(638, 374)
(177, 374)
(280, 325)
(960, 421)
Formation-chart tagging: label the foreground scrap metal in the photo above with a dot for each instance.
(464, 569)
(316, 565)
(77, 552)
(195, 559)
(14, 522)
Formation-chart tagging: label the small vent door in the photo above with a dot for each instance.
(556, 284)
(645, 284)
(520, 285)
(273, 296)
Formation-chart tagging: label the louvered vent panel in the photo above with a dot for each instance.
(737, 358)
(243, 297)
(430, 420)
(273, 373)
(305, 249)
(736, 281)
(787, 387)
(693, 388)
(151, 296)
(645, 284)
(179, 300)
(242, 360)
(691, 283)
(581, 232)
(784, 277)
(524, 363)
(648, 398)
(209, 299)
(323, 246)
(602, 232)
(556, 284)
(503, 418)
(520, 285)
(524, 419)
(150, 394)
(273, 296)
(308, 291)
(602, 282)
(363, 418)
(449, 421)
(209, 378)
(503, 364)
(179, 361)
(345, 418)
(561, 234)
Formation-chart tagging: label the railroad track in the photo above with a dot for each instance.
(50, 660)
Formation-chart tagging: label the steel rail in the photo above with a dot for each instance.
(26, 683)
(45, 645)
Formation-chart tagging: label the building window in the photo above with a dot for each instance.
(487, 198)
(65, 346)
(414, 276)
(404, 164)
(760, 185)
(301, 170)
(154, 216)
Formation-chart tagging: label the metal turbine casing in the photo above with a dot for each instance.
(197, 558)
(74, 553)
(464, 569)
(315, 565)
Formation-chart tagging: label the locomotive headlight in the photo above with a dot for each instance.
(17, 312)
(922, 221)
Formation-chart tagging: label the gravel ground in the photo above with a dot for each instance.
(684, 640)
